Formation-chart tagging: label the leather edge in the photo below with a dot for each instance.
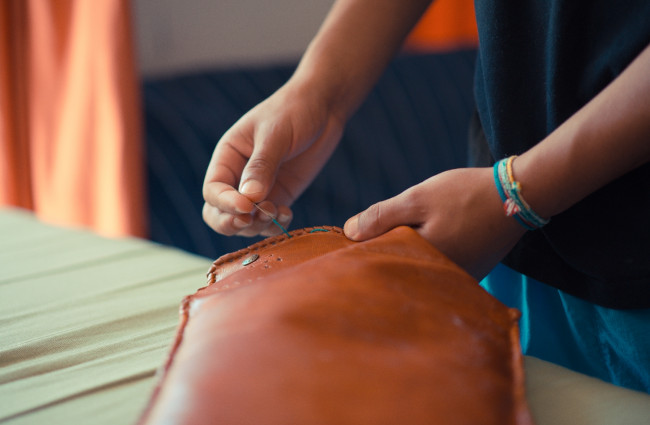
(274, 240)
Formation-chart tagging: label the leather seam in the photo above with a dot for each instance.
(232, 257)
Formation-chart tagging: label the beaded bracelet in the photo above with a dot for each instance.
(514, 204)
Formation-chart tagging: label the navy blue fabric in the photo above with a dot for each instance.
(539, 62)
(412, 126)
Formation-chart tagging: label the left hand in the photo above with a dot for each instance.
(458, 211)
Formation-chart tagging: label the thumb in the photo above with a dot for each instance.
(260, 171)
(377, 220)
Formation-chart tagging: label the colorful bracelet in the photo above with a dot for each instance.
(514, 204)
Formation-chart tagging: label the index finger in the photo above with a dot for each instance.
(224, 173)
(226, 198)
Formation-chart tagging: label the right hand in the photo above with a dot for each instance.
(270, 156)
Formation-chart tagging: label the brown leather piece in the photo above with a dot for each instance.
(322, 330)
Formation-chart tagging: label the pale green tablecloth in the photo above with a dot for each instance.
(85, 321)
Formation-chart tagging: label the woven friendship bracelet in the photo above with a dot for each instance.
(514, 204)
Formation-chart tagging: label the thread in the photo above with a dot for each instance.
(318, 229)
(273, 219)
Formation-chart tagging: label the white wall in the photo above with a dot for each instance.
(177, 35)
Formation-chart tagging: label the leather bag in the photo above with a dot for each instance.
(317, 329)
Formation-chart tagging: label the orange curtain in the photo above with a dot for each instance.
(69, 114)
(448, 24)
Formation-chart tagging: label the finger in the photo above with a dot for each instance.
(382, 217)
(263, 223)
(261, 169)
(265, 211)
(256, 229)
(224, 223)
(285, 215)
(224, 171)
(226, 199)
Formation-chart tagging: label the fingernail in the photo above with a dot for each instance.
(263, 217)
(284, 217)
(251, 187)
(239, 223)
(351, 227)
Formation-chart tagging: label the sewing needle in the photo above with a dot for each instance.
(273, 219)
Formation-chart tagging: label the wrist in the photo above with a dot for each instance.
(510, 191)
(323, 80)
(605, 139)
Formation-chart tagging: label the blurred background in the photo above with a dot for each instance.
(110, 109)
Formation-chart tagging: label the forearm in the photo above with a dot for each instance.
(352, 48)
(607, 138)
